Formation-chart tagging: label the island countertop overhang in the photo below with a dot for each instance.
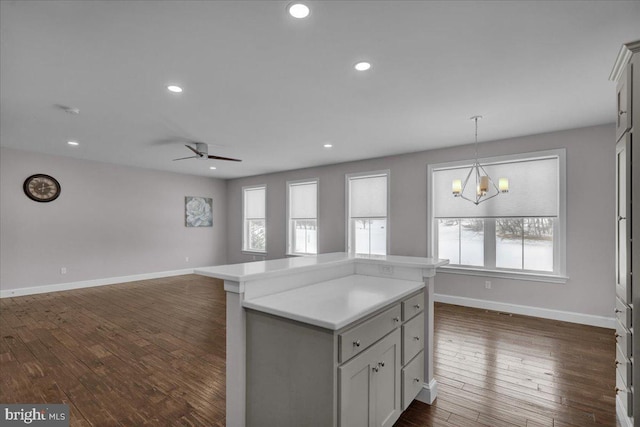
(259, 270)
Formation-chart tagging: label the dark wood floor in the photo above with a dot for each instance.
(495, 369)
(153, 353)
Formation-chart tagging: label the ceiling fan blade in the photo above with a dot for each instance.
(198, 153)
(224, 158)
(184, 158)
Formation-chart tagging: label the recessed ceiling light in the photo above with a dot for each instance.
(212, 167)
(298, 10)
(74, 143)
(362, 66)
(328, 145)
(174, 88)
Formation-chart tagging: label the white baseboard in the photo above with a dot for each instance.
(545, 313)
(428, 393)
(43, 289)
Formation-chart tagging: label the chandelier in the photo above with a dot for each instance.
(485, 188)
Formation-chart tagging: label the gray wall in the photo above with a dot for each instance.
(590, 217)
(109, 221)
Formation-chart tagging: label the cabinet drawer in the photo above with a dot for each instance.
(625, 395)
(624, 367)
(412, 306)
(363, 335)
(623, 339)
(412, 337)
(623, 313)
(412, 380)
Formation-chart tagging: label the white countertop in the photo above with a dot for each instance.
(336, 303)
(272, 268)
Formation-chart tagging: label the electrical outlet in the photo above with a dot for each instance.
(387, 270)
(186, 259)
(63, 270)
(487, 284)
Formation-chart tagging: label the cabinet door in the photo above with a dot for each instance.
(623, 95)
(355, 392)
(623, 241)
(369, 385)
(386, 383)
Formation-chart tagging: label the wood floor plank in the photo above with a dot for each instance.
(152, 353)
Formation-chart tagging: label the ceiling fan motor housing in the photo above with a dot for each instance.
(203, 150)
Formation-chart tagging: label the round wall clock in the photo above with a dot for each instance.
(41, 188)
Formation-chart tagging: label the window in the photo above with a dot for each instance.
(302, 217)
(515, 234)
(254, 228)
(367, 200)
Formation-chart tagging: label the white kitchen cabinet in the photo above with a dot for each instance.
(370, 385)
(303, 374)
(412, 377)
(626, 73)
(293, 322)
(624, 113)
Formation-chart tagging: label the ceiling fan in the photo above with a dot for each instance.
(202, 152)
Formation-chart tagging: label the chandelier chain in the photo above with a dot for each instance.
(475, 119)
(476, 145)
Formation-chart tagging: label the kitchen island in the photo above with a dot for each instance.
(329, 340)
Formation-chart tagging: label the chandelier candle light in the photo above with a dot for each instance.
(485, 188)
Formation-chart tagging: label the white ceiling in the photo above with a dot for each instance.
(272, 90)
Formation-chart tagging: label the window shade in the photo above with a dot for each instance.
(254, 203)
(303, 200)
(533, 191)
(368, 196)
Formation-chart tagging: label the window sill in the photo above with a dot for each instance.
(532, 277)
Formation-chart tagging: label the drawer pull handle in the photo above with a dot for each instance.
(396, 319)
(417, 306)
(618, 390)
(621, 112)
(620, 218)
(356, 343)
(617, 363)
(417, 380)
(617, 311)
(375, 369)
(381, 364)
(416, 338)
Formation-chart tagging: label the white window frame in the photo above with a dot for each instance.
(246, 250)
(350, 248)
(559, 231)
(289, 235)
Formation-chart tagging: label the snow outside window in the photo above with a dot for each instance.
(519, 231)
(302, 230)
(254, 230)
(367, 223)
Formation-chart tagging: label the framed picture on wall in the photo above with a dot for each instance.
(198, 211)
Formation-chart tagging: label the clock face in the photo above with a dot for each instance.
(41, 188)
